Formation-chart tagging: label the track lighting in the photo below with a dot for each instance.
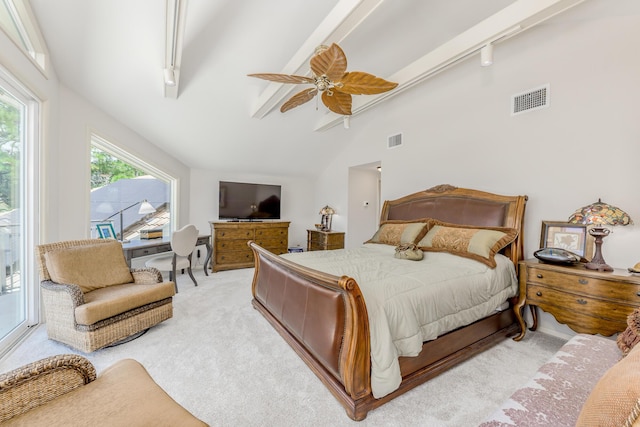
(486, 55)
(169, 77)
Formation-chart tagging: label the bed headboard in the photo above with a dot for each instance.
(463, 206)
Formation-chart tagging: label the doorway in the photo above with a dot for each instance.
(363, 203)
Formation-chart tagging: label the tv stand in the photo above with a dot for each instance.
(229, 241)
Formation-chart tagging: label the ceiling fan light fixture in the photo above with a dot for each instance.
(169, 77)
(330, 79)
(486, 55)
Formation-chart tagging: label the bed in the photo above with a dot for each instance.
(324, 317)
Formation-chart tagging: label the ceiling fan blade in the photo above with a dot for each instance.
(283, 78)
(331, 62)
(299, 99)
(360, 83)
(338, 102)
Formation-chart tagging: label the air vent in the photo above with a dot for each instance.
(530, 100)
(394, 141)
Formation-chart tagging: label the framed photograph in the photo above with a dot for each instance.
(564, 235)
(106, 231)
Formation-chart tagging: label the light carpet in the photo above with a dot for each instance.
(221, 360)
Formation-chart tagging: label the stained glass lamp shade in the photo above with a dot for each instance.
(600, 214)
(326, 213)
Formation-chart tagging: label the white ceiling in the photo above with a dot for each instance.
(112, 53)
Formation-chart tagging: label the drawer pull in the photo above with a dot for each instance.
(539, 293)
(583, 281)
(539, 276)
(581, 301)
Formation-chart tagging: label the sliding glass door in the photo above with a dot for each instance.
(18, 296)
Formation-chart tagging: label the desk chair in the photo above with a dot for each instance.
(183, 243)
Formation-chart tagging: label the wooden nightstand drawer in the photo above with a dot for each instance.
(584, 284)
(602, 309)
(587, 301)
(324, 240)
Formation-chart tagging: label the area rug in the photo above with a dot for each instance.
(221, 360)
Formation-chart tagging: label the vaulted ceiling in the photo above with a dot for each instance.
(112, 53)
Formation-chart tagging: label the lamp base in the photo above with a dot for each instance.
(598, 263)
(596, 266)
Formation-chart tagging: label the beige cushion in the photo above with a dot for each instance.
(123, 395)
(614, 401)
(396, 232)
(90, 267)
(110, 301)
(479, 243)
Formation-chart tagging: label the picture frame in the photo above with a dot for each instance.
(106, 231)
(564, 235)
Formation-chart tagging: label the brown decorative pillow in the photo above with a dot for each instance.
(91, 267)
(631, 336)
(396, 232)
(478, 243)
(615, 399)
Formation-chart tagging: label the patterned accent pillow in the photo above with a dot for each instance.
(478, 243)
(615, 400)
(397, 232)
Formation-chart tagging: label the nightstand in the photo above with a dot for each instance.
(588, 301)
(324, 240)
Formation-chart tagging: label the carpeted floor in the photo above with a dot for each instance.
(221, 360)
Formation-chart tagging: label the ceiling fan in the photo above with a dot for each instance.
(331, 78)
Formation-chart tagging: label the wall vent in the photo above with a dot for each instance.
(530, 100)
(394, 141)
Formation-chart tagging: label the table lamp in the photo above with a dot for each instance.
(599, 214)
(326, 213)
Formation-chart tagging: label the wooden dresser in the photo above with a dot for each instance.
(230, 239)
(587, 301)
(324, 240)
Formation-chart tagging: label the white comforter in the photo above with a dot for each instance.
(409, 302)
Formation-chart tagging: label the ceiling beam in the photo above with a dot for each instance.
(176, 14)
(513, 19)
(341, 21)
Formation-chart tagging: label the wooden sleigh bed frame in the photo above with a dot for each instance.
(324, 317)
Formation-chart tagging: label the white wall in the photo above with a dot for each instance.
(363, 187)
(457, 128)
(78, 119)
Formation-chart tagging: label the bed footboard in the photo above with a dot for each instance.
(324, 319)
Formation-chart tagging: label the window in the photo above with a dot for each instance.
(19, 117)
(17, 20)
(120, 183)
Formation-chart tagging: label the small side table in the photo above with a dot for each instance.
(324, 240)
(588, 301)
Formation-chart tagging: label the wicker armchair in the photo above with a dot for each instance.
(64, 390)
(89, 317)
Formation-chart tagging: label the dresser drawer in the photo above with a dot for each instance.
(550, 298)
(232, 245)
(247, 234)
(271, 233)
(234, 257)
(583, 284)
(271, 244)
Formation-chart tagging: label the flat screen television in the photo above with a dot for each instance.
(248, 202)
